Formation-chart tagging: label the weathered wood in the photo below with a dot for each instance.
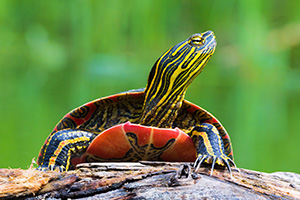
(149, 180)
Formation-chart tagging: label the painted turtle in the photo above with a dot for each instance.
(154, 123)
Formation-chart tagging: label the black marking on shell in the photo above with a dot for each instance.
(153, 153)
(80, 112)
(66, 123)
(130, 156)
(103, 102)
(133, 140)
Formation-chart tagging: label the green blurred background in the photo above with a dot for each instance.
(57, 55)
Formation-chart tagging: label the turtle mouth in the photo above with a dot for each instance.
(212, 45)
(210, 39)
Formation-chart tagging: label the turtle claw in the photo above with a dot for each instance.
(213, 165)
(40, 168)
(222, 160)
(52, 168)
(232, 162)
(199, 161)
(228, 167)
(57, 168)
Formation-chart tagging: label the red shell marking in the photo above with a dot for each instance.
(133, 142)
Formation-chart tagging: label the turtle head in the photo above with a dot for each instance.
(171, 75)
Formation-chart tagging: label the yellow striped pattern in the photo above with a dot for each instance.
(170, 77)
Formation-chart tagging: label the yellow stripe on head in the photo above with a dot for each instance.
(171, 75)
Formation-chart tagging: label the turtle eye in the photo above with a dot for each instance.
(196, 40)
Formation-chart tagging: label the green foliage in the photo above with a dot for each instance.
(57, 55)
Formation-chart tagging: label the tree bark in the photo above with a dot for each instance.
(147, 180)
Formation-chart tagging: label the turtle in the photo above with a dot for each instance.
(154, 123)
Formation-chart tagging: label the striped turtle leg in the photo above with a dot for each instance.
(210, 147)
(62, 147)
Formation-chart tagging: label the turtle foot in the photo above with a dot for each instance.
(221, 160)
(52, 168)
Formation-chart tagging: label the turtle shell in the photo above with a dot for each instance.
(104, 113)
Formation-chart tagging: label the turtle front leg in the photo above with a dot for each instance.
(209, 146)
(63, 146)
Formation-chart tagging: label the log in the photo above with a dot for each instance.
(147, 180)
